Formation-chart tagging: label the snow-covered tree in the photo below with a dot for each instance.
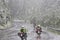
(5, 16)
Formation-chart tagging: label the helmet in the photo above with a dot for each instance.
(22, 26)
(38, 25)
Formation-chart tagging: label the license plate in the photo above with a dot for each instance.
(21, 35)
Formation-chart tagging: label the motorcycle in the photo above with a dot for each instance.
(38, 34)
(22, 36)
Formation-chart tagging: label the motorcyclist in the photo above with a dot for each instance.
(38, 29)
(23, 31)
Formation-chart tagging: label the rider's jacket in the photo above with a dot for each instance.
(39, 29)
(23, 30)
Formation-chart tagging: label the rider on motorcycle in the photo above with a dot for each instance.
(23, 31)
(38, 29)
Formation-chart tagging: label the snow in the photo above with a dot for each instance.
(11, 34)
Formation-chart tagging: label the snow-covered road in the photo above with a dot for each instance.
(11, 33)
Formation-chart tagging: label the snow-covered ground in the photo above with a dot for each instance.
(11, 33)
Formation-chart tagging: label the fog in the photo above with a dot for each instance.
(43, 12)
